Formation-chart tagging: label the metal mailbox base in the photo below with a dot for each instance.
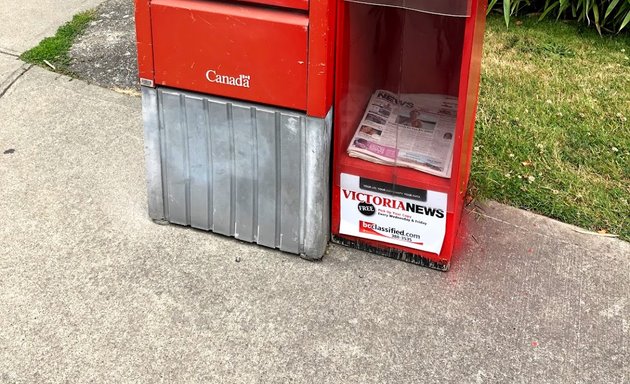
(254, 172)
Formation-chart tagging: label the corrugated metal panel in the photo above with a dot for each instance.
(238, 169)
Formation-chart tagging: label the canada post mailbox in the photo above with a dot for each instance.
(237, 109)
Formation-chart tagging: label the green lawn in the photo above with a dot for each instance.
(553, 129)
(55, 49)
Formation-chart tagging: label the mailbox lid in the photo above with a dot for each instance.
(231, 50)
(295, 4)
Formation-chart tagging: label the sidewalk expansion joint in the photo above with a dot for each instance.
(13, 78)
(9, 53)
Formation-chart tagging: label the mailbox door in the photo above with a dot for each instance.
(230, 50)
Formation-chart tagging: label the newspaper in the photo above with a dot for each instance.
(409, 130)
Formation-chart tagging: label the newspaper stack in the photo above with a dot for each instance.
(408, 130)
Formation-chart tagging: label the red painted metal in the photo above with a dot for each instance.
(228, 50)
(474, 47)
(288, 54)
(321, 57)
(295, 4)
(442, 54)
(144, 39)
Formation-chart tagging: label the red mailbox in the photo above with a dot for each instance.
(407, 80)
(237, 105)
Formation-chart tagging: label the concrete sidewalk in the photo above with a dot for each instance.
(25, 23)
(93, 291)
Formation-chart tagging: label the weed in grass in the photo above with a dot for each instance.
(552, 131)
(556, 48)
(55, 49)
(533, 46)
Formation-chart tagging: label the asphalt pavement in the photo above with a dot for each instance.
(91, 290)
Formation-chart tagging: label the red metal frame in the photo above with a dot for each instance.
(144, 40)
(290, 53)
(350, 101)
(321, 57)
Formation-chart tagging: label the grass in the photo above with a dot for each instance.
(55, 49)
(553, 129)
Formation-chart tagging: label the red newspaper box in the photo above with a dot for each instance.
(407, 80)
(237, 106)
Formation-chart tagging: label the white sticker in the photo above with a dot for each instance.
(413, 218)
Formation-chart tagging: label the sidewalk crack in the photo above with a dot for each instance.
(13, 78)
(9, 53)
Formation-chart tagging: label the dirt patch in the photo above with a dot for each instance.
(106, 53)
